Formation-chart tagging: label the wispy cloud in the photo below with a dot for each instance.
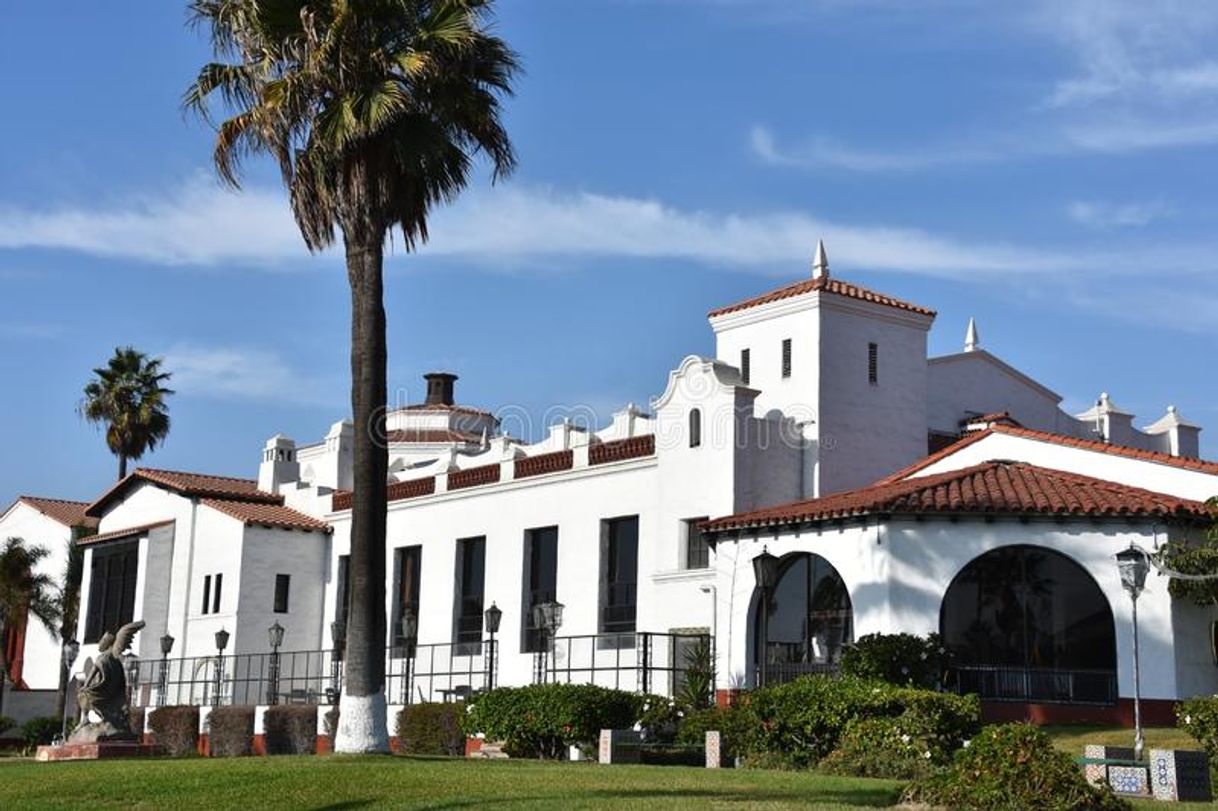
(246, 373)
(1096, 214)
(31, 330)
(823, 152)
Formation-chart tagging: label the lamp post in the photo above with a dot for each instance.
(410, 632)
(713, 591)
(548, 618)
(338, 638)
(221, 644)
(493, 617)
(163, 678)
(71, 649)
(765, 571)
(1134, 566)
(275, 637)
(131, 669)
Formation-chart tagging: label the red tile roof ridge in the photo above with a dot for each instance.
(826, 284)
(126, 532)
(154, 471)
(69, 512)
(274, 515)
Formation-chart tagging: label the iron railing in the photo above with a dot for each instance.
(644, 661)
(1041, 685)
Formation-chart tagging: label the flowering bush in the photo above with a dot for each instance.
(659, 718)
(898, 748)
(1013, 766)
(1199, 718)
(902, 659)
(542, 720)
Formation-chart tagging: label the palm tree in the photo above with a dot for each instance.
(68, 604)
(127, 396)
(375, 113)
(23, 592)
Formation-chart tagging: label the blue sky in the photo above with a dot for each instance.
(1047, 168)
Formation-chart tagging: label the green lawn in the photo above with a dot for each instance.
(401, 782)
(1072, 739)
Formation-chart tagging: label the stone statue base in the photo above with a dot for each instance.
(101, 750)
(102, 732)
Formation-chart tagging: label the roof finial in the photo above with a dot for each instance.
(972, 342)
(820, 265)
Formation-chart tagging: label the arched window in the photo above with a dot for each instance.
(695, 428)
(810, 619)
(1029, 623)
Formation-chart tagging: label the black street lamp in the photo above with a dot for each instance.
(493, 617)
(221, 644)
(765, 571)
(338, 638)
(548, 619)
(410, 633)
(275, 636)
(71, 649)
(1134, 566)
(163, 677)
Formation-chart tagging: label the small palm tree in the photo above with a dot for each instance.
(24, 592)
(375, 113)
(128, 396)
(68, 605)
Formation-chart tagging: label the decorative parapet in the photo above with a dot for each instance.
(622, 449)
(472, 477)
(543, 463)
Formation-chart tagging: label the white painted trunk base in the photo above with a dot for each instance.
(362, 725)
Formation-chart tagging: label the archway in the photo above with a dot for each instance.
(811, 619)
(1027, 623)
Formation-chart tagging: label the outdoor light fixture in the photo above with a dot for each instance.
(493, 617)
(548, 619)
(275, 636)
(221, 644)
(410, 632)
(765, 571)
(163, 677)
(221, 640)
(1134, 565)
(166, 644)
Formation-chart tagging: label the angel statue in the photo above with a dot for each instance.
(104, 691)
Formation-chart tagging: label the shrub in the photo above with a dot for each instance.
(431, 729)
(230, 731)
(902, 659)
(885, 747)
(176, 729)
(659, 718)
(734, 724)
(135, 718)
(6, 724)
(542, 720)
(41, 731)
(290, 730)
(1013, 766)
(1199, 718)
(805, 718)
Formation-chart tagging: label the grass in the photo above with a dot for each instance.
(406, 782)
(1072, 739)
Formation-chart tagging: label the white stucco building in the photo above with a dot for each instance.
(807, 434)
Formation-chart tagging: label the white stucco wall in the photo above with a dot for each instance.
(267, 552)
(41, 657)
(977, 383)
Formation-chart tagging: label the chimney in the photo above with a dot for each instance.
(440, 388)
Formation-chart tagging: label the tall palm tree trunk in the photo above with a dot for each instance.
(362, 723)
(122, 466)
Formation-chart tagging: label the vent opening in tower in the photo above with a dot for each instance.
(440, 388)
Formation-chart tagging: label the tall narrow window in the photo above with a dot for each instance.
(873, 363)
(541, 580)
(697, 552)
(342, 601)
(112, 579)
(407, 563)
(215, 596)
(786, 357)
(206, 594)
(744, 366)
(471, 577)
(695, 427)
(619, 575)
(283, 582)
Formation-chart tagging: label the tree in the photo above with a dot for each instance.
(68, 604)
(1198, 561)
(375, 113)
(24, 592)
(128, 396)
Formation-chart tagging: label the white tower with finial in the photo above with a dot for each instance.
(972, 342)
(820, 264)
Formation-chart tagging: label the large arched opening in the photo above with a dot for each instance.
(810, 620)
(1026, 623)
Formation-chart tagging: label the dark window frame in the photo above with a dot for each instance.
(408, 568)
(206, 594)
(113, 578)
(619, 575)
(342, 593)
(786, 358)
(746, 365)
(873, 363)
(283, 588)
(697, 550)
(469, 596)
(695, 428)
(540, 583)
(217, 590)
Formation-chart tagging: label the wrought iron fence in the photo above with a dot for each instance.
(1044, 685)
(644, 661)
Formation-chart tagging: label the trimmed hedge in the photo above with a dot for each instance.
(542, 720)
(803, 720)
(902, 659)
(735, 725)
(41, 731)
(290, 730)
(431, 729)
(230, 731)
(1013, 766)
(135, 720)
(176, 729)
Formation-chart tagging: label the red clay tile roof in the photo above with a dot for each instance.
(995, 417)
(118, 534)
(267, 515)
(68, 513)
(188, 484)
(621, 449)
(825, 284)
(426, 435)
(1198, 465)
(458, 409)
(996, 487)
